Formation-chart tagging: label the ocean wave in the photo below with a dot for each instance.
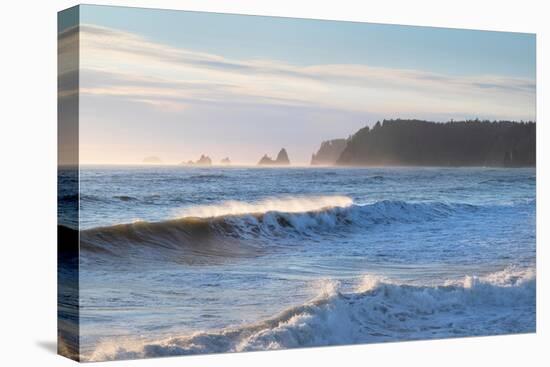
(279, 205)
(232, 229)
(207, 177)
(378, 310)
(509, 180)
(74, 197)
(244, 229)
(125, 198)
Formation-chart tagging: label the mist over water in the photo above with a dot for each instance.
(179, 260)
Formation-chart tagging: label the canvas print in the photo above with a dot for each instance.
(233, 183)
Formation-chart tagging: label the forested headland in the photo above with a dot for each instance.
(454, 143)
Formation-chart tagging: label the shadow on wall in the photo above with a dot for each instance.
(48, 345)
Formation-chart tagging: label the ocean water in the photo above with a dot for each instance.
(179, 260)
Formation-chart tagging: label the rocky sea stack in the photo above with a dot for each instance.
(329, 152)
(204, 160)
(281, 160)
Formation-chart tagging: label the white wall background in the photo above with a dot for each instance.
(28, 181)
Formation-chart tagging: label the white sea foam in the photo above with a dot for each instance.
(284, 204)
(379, 310)
(309, 215)
(317, 215)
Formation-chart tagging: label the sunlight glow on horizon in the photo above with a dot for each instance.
(141, 96)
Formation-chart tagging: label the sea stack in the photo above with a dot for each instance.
(225, 161)
(266, 160)
(329, 152)
(204, 160)
(281, 160)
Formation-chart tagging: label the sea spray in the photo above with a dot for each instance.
(284, 204)
(408, 258)
(379, 310)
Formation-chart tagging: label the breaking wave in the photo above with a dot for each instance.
(378, 310)
(243, 229)
(125, 198)
(279, 205)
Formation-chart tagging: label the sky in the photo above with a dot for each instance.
(176, 84)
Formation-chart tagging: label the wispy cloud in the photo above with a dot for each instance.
(127, 65)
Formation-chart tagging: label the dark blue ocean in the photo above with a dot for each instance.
(182, 260)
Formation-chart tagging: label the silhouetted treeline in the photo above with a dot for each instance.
(455, 143)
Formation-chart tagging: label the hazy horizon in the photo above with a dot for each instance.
(176, 84)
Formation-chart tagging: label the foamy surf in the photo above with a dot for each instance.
(379, 310)
(287, 204)
(246, 274)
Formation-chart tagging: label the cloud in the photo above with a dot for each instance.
(121, 64)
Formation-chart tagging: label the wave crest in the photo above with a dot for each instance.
(247, 229)
(281, 205)
(385, 310)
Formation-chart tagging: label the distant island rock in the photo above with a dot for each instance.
(204, 160)
(266, 160)
(456, 143)
(329, 152)
(281, 160)
(152, 160)
(225, 161)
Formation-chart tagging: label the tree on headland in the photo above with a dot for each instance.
(455, 143)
